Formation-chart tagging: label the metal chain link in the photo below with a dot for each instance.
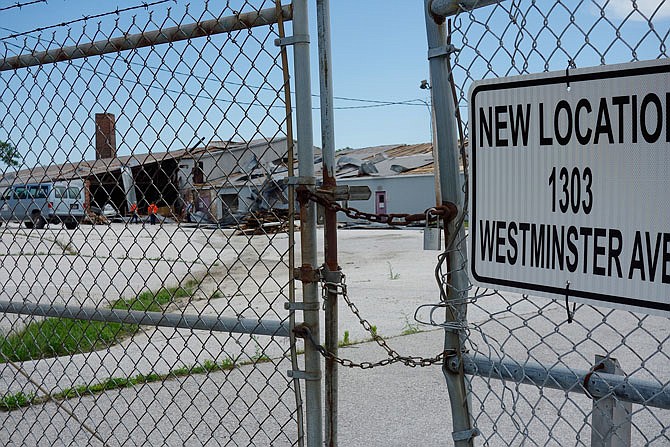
(446, 211)
(393, 356)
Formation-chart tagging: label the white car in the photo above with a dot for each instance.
(110, 210)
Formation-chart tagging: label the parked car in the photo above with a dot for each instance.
(36, 204)
(109, 210)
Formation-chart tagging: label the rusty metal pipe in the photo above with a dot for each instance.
(148, 39)
(330, 239)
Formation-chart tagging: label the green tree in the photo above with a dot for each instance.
(9, 155)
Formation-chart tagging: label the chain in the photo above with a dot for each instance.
(340, 288)
(447, 211)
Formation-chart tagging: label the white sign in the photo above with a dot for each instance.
(570, 185)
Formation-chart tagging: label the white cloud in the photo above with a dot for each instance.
(622, 8)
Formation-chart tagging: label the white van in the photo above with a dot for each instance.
(36, 204)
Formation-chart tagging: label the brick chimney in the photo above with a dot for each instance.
(105, 135)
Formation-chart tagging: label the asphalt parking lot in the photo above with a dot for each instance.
(388, 275)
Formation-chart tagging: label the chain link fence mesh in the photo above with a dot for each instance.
(146, 182)
(521, 37)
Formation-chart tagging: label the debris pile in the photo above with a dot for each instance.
(264, 222)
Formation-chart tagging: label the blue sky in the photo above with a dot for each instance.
(379, 54)
(380, 59)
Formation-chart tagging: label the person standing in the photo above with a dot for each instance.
(134, 218)
(153, 210)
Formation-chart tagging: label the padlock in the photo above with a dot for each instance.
(432, 239)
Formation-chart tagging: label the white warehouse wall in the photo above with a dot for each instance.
(410, 194)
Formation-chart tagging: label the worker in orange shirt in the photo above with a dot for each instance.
(133, 213)
(152, 210)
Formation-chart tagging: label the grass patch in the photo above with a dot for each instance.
(54, 337)
(67, 247)
(14, 401)
(17, 400)
(154, 302)
(115, 383)
(59, 336)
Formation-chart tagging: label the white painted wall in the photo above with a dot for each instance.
(409, 194)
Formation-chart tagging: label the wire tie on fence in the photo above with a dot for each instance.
(587, 378)
(571, 314)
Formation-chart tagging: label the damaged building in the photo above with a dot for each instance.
(224, 181)
(228, 179)
(401, 177)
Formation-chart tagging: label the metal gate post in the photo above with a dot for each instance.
(610, 418)
(303, 92)
(451, 191)
(332, 270)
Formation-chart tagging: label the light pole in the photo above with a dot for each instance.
(425, 85)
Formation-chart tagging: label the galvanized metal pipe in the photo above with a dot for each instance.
(446, 8)
(297, 388)
(171, 320)
(308, 248)
(599, 385)
(330, 228)
(147, 39)
(447, 154)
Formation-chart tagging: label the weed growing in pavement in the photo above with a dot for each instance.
(54, 337)
(126, 382)
(17, 400)
(373, 332)
(410, 328)
(216, 294)
(259, 356)
(392, 275)
(154, 302)
(346, 341)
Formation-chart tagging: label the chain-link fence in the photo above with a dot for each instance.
(534, 364)
(146, 229)
(147, 235)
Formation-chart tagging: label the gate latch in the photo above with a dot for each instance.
(292, 40)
